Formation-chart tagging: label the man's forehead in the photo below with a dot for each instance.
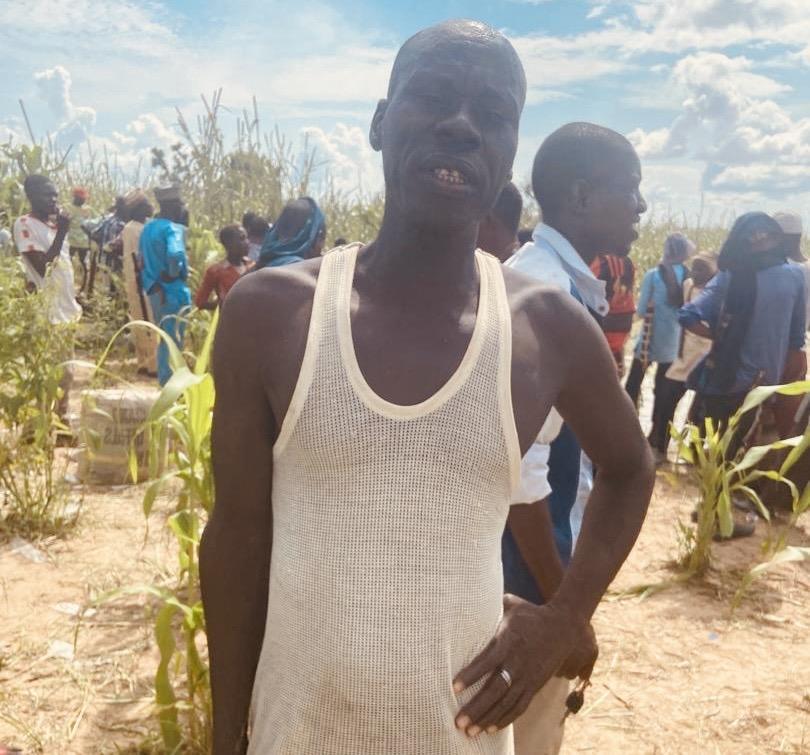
(491, 71)
(461, 45)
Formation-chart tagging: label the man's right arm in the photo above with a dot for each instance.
(700, 315)
(236, 544)
(203, 295)
(40, 258)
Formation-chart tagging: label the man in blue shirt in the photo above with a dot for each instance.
(754, 311)
(164, 270)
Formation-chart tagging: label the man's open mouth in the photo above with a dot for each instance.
(449, 176)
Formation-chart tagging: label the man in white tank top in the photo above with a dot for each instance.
(372, 409)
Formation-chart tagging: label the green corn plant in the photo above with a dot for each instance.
(180, 423)
(721, 476)
(33, 360)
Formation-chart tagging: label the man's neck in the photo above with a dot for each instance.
(407, 255)
(40, 215)
(572, 233)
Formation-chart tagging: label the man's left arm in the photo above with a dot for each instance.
(700, 315)
(176, 263)
(533, 642)
(796, 362)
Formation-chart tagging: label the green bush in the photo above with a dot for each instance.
(33, 356)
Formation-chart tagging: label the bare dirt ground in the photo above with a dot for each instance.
(679, 672)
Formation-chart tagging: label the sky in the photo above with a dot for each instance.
(714, 94)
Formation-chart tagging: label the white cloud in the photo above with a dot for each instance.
(9, 133)
(75, 122)
(350, 74)
(719, 24)
(350, 161)
(731, 121)
(552, 63)
(85, 26)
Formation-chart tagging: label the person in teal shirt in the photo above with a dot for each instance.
(164, 270)
(660, 299)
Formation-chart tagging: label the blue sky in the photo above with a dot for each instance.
(714, 93)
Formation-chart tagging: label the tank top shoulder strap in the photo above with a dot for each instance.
(322, 331)
(492, 268)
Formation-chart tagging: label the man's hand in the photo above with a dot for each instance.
(583, 658)
(531, 644)
(62, 222)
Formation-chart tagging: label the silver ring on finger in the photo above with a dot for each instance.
(506, 676)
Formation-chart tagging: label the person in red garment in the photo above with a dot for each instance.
(220, 277)
(619, 274)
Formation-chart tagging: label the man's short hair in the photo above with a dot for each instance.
(574, 152)
(254, 224)
(428, 40)
(34, 183)
(229, 233)
(509, 207)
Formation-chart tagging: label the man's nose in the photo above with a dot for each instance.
(641, 203)
(459, 131)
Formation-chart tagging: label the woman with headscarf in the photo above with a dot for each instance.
(692, 349)
(754, 312)
(661, 298)
(299, 234)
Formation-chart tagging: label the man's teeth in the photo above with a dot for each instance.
(449, 176)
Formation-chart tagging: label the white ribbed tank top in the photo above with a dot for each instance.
(386, 574)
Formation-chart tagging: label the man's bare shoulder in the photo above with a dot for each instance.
(543, 305)
(273, 294)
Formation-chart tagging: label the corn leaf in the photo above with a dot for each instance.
(787, 555)
(164, 692)
(796, 453)
(764, 392)
(755, 454)
(181, 379)
(203, 361)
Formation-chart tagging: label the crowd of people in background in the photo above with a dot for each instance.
(147, 249)
(697, 330)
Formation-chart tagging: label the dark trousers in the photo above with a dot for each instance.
(636, 377)
(668, 394)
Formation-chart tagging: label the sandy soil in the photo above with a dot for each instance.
(678, 672)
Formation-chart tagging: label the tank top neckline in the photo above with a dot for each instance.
(444, 393)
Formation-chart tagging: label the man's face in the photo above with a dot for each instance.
(240, 244)
(449, 133)
(43, 199)
(615, 206)
(176, 211)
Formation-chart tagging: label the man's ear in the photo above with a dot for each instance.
(375, 132)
